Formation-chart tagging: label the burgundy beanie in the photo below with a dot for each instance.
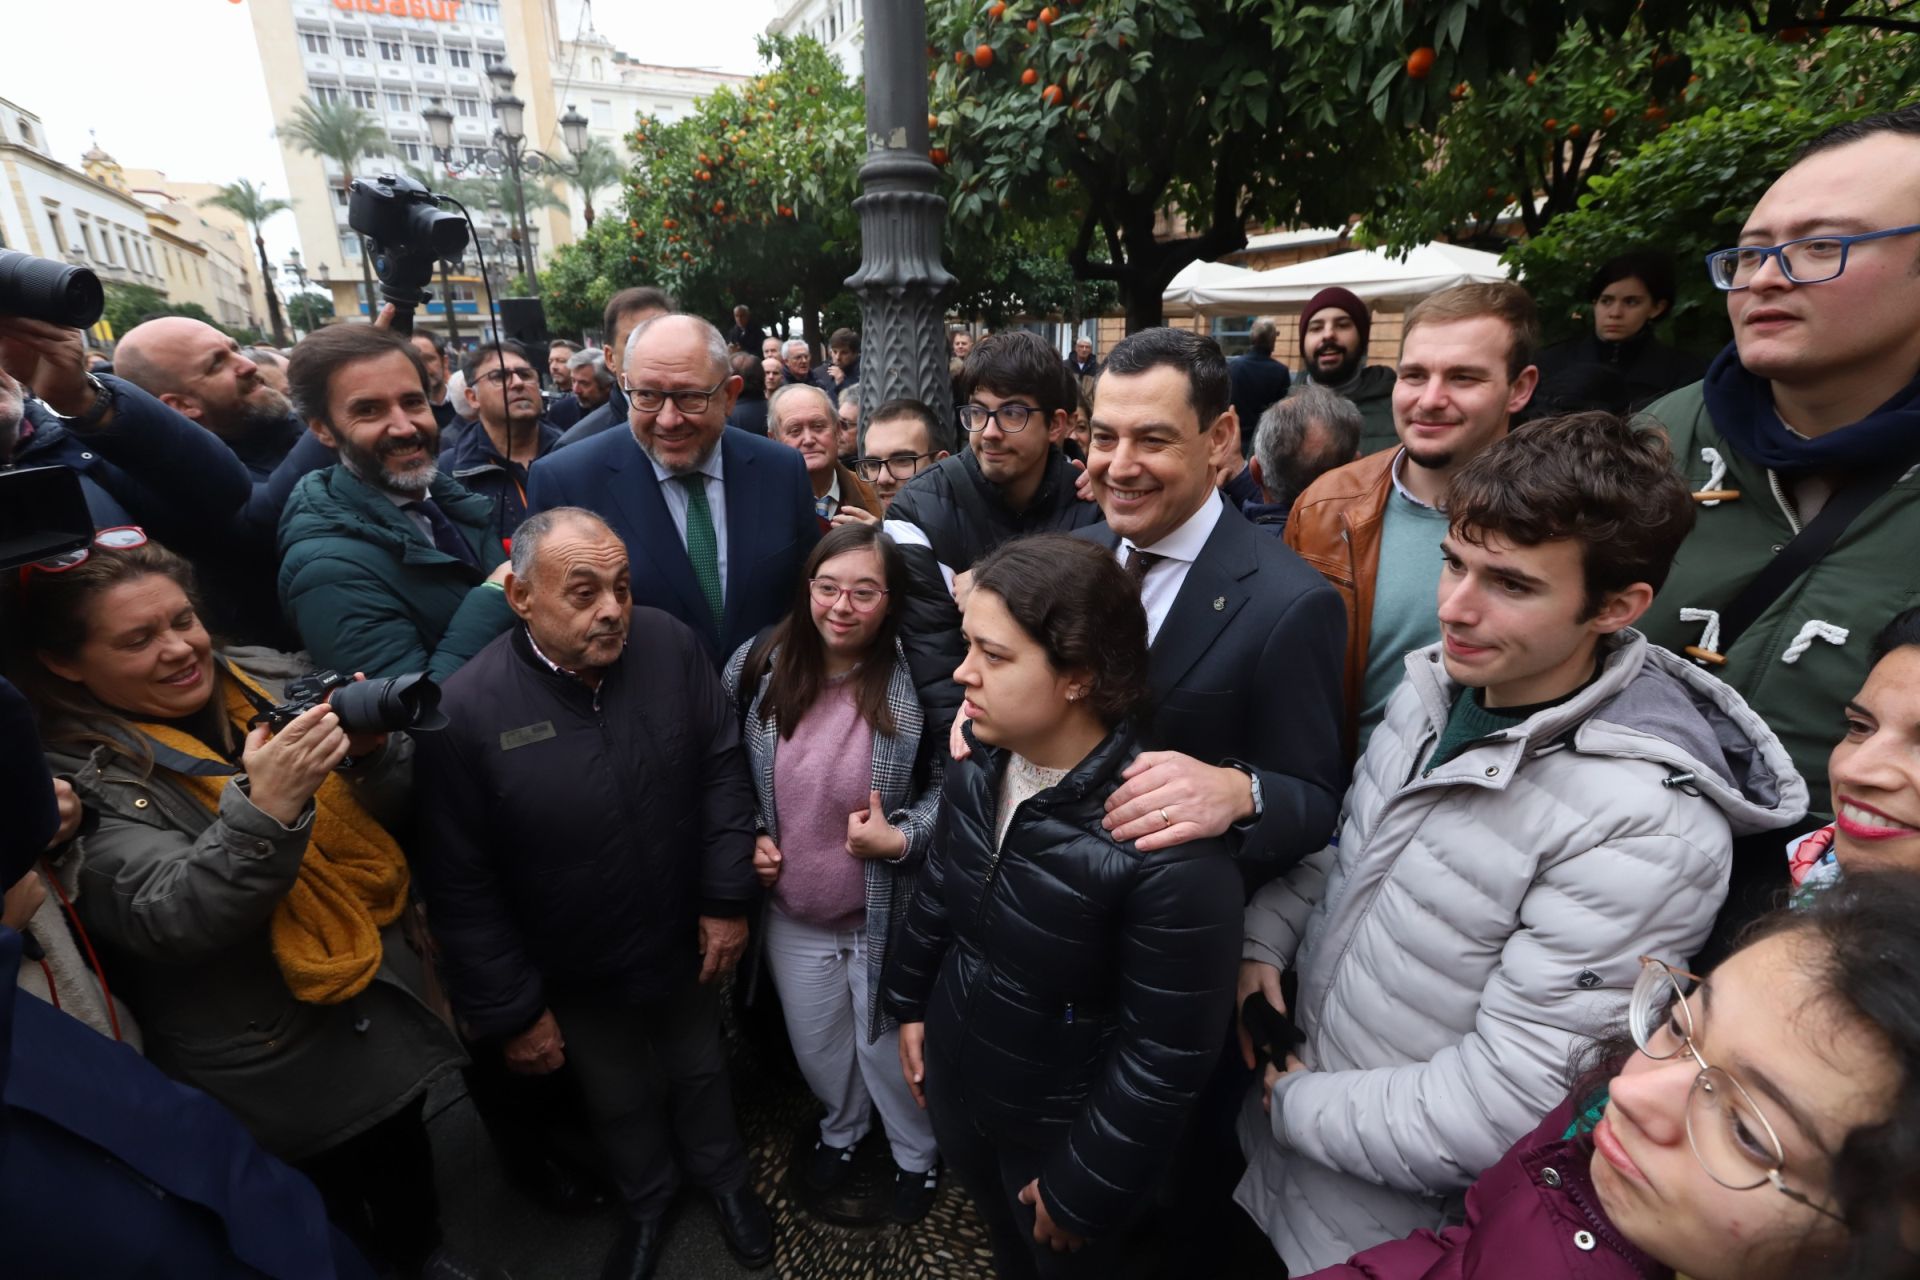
(1344, 300)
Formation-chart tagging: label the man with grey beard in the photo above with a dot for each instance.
(387, 566)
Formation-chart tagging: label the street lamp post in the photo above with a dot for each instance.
(297, 271)
(509, 155)
(901, 277)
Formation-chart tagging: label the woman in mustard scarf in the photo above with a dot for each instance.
(243, 896)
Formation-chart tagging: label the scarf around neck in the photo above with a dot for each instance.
(1741, 405)
(353, 878)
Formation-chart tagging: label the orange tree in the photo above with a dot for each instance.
(1598, 100)
(1162, 128)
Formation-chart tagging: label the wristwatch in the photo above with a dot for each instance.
(91, 415)
(1253, 784)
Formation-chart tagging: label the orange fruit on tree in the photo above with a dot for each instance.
(933, 122)
(1551, 125)
(1420, 63)
(983, 56)
(1458, 91)
(1032, 26)
(996, 10)
(960, 58)
(1608, 114)
(1029, 77)
(938, 155)
(1573, 130)
(1053, 95)
(1532, 79)
(1049, 15)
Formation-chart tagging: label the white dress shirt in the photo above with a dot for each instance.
(675, 495)
(1178, 550)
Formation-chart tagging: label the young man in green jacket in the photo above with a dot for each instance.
(1819, 392)
(387, 566)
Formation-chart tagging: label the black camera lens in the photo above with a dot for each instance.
(388, 706)
(42, 289)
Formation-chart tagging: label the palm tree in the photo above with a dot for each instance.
(342, 133)
(251, 205)
(594, 169)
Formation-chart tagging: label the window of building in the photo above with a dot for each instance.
(364, 98)
(315, 42)
(350, 247)
(599, 72)
(459, 57)
(399, 101)
(326, 93)
(408, 151)
(26, 133)
(602, 113)
(86, 234)
(341, 196)
(474, 154)
(467, 106)
(125, 255)
(492, 57)
(426, 54)
(390, 50)
(1234, 333)
(486, 11)
(663, 110)
(465, 293)
(353, 46)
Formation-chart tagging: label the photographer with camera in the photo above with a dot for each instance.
(138, 461)
(242, 885)
(387, 565)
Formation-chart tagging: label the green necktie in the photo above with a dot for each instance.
(702, 548)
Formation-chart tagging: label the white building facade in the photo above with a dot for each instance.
(839, 25)
(54, 211)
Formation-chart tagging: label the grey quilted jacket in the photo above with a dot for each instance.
(1475, 924)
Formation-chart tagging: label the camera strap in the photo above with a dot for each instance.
(261, 706)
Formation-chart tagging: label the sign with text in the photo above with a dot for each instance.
(434, 10)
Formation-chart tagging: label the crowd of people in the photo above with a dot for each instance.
(1455, 817)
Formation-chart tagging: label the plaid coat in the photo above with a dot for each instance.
(906, 771)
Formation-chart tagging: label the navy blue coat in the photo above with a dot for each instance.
(771, 527)
(1258, 381)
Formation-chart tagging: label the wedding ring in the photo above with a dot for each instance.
(1164, 819)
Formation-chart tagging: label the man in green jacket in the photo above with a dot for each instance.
(1820, 389)
(387, 566)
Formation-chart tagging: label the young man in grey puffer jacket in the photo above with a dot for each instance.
(1548, 798)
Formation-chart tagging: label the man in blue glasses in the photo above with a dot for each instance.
(1801, 442)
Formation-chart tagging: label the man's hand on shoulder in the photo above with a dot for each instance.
(1169, 799)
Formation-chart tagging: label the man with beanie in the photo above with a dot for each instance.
(1333, 351)
(1258, 381)
(1800, 446)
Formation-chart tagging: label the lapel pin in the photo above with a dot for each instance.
(1219, 603)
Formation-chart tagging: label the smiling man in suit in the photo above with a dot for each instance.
(717, 523)
(1244, 658)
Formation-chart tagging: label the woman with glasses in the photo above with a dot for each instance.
(824, 690)
(241, 886)
(1062, 995)
(1761, 1123)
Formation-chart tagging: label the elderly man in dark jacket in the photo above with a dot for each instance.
(587, 862)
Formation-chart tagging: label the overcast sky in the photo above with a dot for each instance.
(178, 88)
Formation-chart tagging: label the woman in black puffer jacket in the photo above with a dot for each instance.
(1062, 995)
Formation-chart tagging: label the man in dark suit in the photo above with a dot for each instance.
(1246, 646)
(1258, 380)
(718, 523)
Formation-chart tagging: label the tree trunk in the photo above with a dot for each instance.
(366, 266)
(266, 281)
(1140, 293)
(586, 199)
(446, 296)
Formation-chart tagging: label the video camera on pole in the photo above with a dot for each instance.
(410, 233)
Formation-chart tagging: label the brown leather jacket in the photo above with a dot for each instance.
(855, 492)
(1335, 527)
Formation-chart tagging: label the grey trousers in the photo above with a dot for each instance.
(655, 1082)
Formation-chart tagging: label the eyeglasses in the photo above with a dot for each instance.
(120, 537)
(1731, 1137)
(1813, 260)
(825, 591)
(652, 400)
(1011, 417)
(901, 466)
(499, 377)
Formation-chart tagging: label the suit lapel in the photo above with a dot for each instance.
(1213, 594)
(742, 480)
(639, 499)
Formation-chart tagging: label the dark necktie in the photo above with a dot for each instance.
(445, 536)
(1138, 562)
(703, 548)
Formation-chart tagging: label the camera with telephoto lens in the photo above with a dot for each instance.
(410, 233)
(42, 289)
(364, 706)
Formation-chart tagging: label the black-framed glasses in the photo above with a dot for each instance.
(1730, 1135)
(901, 466)
(1810, 260)
(827, 592)
(653, 400)
(498, 377)
(1012, 417)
